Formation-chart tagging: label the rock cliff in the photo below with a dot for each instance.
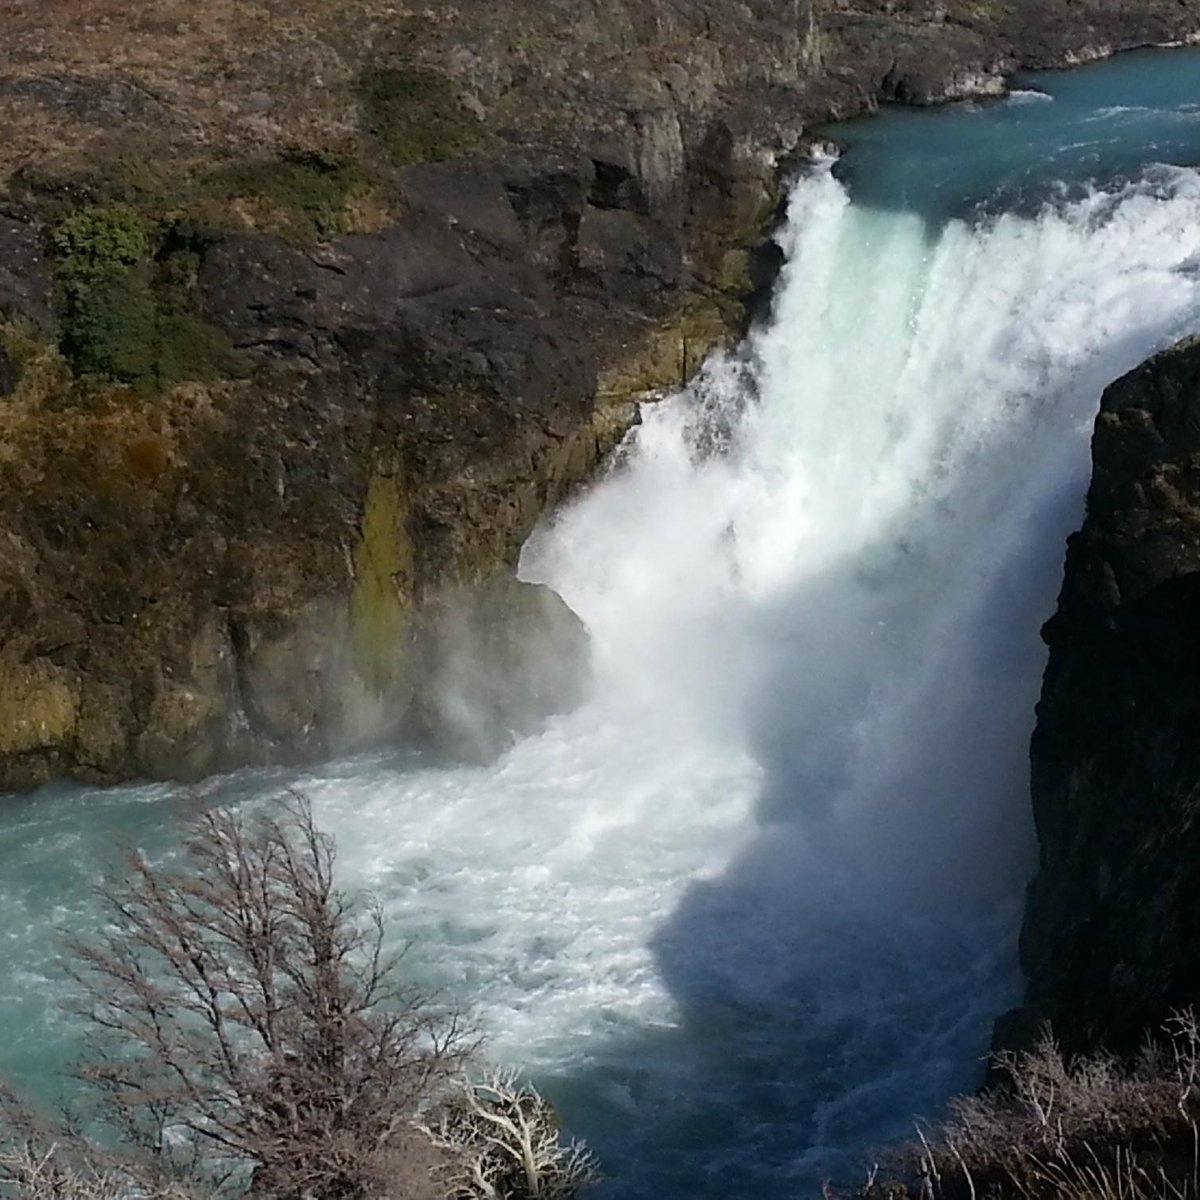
(1111, 942)
(308, 310)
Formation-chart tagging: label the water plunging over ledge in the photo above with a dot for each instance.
(755, 905)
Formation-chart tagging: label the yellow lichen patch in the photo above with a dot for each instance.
(383, 569)
(38, 705)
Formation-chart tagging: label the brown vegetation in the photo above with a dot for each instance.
(209, 74)
(1093, 1128)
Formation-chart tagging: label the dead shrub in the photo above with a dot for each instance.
(1093, 1128)
(503, 1143)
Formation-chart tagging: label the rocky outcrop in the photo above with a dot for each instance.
(243, 570)
(1111, 941)
(493, 662)
(925, 53)
(351, 304)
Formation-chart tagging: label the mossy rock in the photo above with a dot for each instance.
(415, 116)
(144, 171)
(383, 573)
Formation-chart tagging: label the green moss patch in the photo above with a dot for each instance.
(308, 191)
(124, 300)
(414, 115)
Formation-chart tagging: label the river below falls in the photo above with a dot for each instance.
(755, 905)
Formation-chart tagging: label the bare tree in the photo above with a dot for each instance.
(245, 1012)
(31, 1173)
(504, 1144)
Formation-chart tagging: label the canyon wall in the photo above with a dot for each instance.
(309, 311)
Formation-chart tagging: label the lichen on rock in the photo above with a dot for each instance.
(382, 602)
(38, 706)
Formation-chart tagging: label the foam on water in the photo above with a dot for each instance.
(755, 904)
(1028, 96)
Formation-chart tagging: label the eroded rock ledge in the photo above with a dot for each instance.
(370, 373)
(1111, 941)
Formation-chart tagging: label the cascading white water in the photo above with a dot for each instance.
(755, 904)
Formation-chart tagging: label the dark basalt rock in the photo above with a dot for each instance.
(110, 104)
(1111, 941)
(24, 276)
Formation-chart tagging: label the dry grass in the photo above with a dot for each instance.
(1090, 1129)
(229, 79)
(27, 1173)
(223, 78)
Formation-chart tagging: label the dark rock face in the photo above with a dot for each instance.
(24, 277)
(494, 663)
(1111, 942)
(236, 572)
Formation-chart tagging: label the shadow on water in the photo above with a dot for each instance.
(840, 976)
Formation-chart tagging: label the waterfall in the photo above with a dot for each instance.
(755, 904)
(815, 582)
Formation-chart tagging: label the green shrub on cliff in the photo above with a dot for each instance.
(106, 311)
(415, 115)
(107, 328)
(99, 243)
(125, 314)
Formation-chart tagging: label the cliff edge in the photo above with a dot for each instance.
(1110, 942)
